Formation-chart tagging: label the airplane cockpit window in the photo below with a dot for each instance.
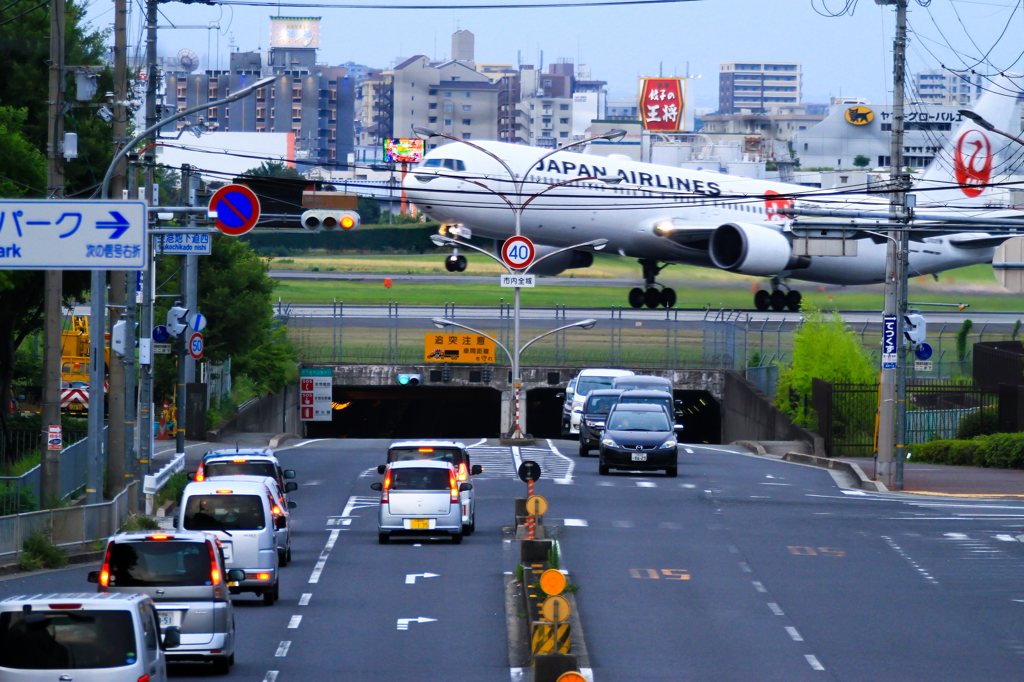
(450, 164)
(433, 163)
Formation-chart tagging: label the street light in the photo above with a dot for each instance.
(979, 120)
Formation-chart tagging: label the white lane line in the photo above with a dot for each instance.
(688, 451)
(745, 567)
(271, 676)
(332, 522)
(646, 484)
(305, 442)
(314, 577)
(775, 608)
(764, 483)
(606, 484)
(575, 522)
(478, 443)
(687, 485)
(304, 599)
(567, 480)
(759, 587)
(330, 542)
(794, 634)
(733, 549)
(346, 522)
(358, 502)
(282, 649)
(517, 458)
(813, 660)
(516, 674)
(622, 524)
(670, 525)
(293, 622)
(1005, 538)
(899, 550)
(314, 482)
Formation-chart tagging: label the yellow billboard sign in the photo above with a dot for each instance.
(473, 348)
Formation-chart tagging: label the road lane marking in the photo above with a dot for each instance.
(332, 522)
(314, 577)
(758, 586)
(315, 482)
(899, 550)
(516, 674)
(575, 522)
(813, 660)
(305, 442)
(688, 451)
(304, 599)
(733, 549)
(745, 567)
(646, 484)
(687, 485)
(271, 676)
(1005, 538)
(359, 502)
(330, 542)
(670, 525)
(517, 458)
(282, 649)
(765, 483)
(606, 484)
(293, 622)
(622, 524)
(346, 522)
(588, 674)
(403, 623)
(567, 479)
(775, 608)
(794, 634)
(410, 578)
(480, 442)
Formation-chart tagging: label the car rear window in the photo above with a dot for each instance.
(588, 384)
(667, 402)
(625, 420)
(159, 563)
(601, 404)
(62, 640)
(419, 479)
(224, 512)
(450, 455)
(246, 468)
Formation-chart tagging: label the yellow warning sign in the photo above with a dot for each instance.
(543, 642)
(536, 505)
(472, 348)
(547, 609)
(552, 581)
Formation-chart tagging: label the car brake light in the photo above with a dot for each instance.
(105, 571)
(65, 607)
(387, 487)
(454, 485)
(157, 537)
(463, 474)
(228, 492)
(199, 474)
(238, 461)
(214, 571)
(425, 450)
(144, 678)
(262, 576)
(276, 510)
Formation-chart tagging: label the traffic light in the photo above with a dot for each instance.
(176, 320)
(915, 329)
(409, 379)
(325, 219)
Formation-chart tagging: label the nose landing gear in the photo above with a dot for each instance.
(651, 296)
(455, 263)
(777, 299)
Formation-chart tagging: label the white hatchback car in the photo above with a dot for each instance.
(420, 497)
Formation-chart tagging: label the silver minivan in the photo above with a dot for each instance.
(281, 510)
(82, 637)
(420, 497)
(183, 572)
(240, 514)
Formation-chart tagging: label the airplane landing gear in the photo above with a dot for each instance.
(777, 299)
(455, 263)
(652, 297)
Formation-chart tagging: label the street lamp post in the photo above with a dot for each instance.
(967, 113)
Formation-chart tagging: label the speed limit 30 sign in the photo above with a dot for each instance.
(518, 252)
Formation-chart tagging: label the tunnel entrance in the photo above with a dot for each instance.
(544, 412)
(411, 412)
(701, 417)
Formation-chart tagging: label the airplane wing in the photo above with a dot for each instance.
(981, 241)
(693, 236)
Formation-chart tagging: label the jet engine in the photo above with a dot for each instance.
(567, 260)
(753, 250)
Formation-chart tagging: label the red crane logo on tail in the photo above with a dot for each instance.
(776, 206)
(972, 162)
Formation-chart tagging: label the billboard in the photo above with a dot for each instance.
(584, 110)
(295, 32)
(662, 104)
(403, 150)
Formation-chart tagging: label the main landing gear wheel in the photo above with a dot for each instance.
(636, 297)
(455, 263)
(652, 298)
(763, 300)
(778, 300)
(793, 299)
(651, 295)
(668, 297)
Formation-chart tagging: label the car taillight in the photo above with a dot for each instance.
(199, 474)
(105, 571)
(463, 474)
(261, 576)
(454, 484)
(276, 510)
(65, 607)
(214, 571)
(387, 487)
(144, 678)
(157, 537)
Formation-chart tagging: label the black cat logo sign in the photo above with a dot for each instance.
(859, 116)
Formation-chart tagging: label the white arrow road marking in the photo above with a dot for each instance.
(688, 451)
(410, 579)
(282, 649)
(293, 622)
(403, 623)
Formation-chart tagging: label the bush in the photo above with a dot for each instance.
(979, 423)
(953, 452)
(1002, 451)
(172, 490)
(40, 551)
(139, 522)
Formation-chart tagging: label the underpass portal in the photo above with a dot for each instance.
(701, 417)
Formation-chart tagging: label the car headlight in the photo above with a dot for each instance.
(609, 443)
(670, 443)
(594, 424)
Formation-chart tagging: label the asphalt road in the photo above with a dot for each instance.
(742, 568)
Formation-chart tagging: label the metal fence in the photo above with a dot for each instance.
(21, 443)
(68, 528)
(21, 493)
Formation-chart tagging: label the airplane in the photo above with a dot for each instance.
(663, 215)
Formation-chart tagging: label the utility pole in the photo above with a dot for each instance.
(190, 184)
(115, 432)
(132, 469)
(891, 431)
(53, 318)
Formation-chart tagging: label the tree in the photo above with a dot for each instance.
(274, 169)
(24, 170)
(861, 161)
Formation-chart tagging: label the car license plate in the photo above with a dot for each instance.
(419, 524)
(169, 619)
(639, 456)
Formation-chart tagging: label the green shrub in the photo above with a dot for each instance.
(953, 452)
(1002, 451)
(41, 551)
(979, 423)
(172, 490)
(139, 522)
(15, 500)
(553, 556)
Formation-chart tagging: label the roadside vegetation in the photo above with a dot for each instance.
(996, 451)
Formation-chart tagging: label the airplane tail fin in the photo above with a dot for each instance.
(961, 173)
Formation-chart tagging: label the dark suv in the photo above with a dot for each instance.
(638, 437)
(595, 411)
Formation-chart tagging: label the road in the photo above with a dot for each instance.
(742, 568)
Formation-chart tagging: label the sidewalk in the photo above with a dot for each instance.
(194, 450)
(939, 479)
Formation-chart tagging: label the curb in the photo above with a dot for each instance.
(752, 445)
(863, 482)
(276, 441)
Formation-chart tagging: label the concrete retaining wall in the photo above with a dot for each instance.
(748, 414)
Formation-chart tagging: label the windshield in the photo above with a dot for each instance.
(638, 421)
(61, 640)
(246, 468)
(159, 563)
(600, 404)
(450, 455)
(588, 384)
(420, 479)
(224, 512)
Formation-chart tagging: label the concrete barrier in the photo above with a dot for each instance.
(861, 479)
(749, 415)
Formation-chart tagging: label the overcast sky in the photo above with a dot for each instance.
(848, 55)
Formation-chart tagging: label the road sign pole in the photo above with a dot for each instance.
(146, 373)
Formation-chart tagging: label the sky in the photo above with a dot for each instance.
(845, 55)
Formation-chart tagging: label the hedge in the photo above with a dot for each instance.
(998, 451)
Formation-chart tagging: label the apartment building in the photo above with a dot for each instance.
(758, 87)
(939, 86)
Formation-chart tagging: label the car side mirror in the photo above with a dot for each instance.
(382, 469)
(678, 402)
(465, 487)
(291, 487)
(377, 486)
(236, 575)
(289, 473)
(172, 638)
(281, 523)
(559, 395)
(477, 470)
(93, 577)
(191, 475)
(292, 505)
(678, 427)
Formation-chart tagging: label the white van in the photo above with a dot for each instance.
(84, 637)
(586, 381)
(240, 514)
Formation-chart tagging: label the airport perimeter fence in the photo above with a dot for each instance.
(22, 493)
(623, 337)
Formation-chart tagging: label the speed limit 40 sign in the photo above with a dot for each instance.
(518, 252)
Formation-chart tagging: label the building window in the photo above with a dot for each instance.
(432, 119)
(448, 93)
(466, 95)
(563, 107)
(432, 105)
(412, 112)
(563, 134)
(563, 120)
(296, 93)
(467, 121)
(296, 113)
(447, 121)
(432, 91)
(466, 136)
(413, 98)
(467, 107)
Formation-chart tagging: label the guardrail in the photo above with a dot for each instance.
(73, 465)
(153, 483)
